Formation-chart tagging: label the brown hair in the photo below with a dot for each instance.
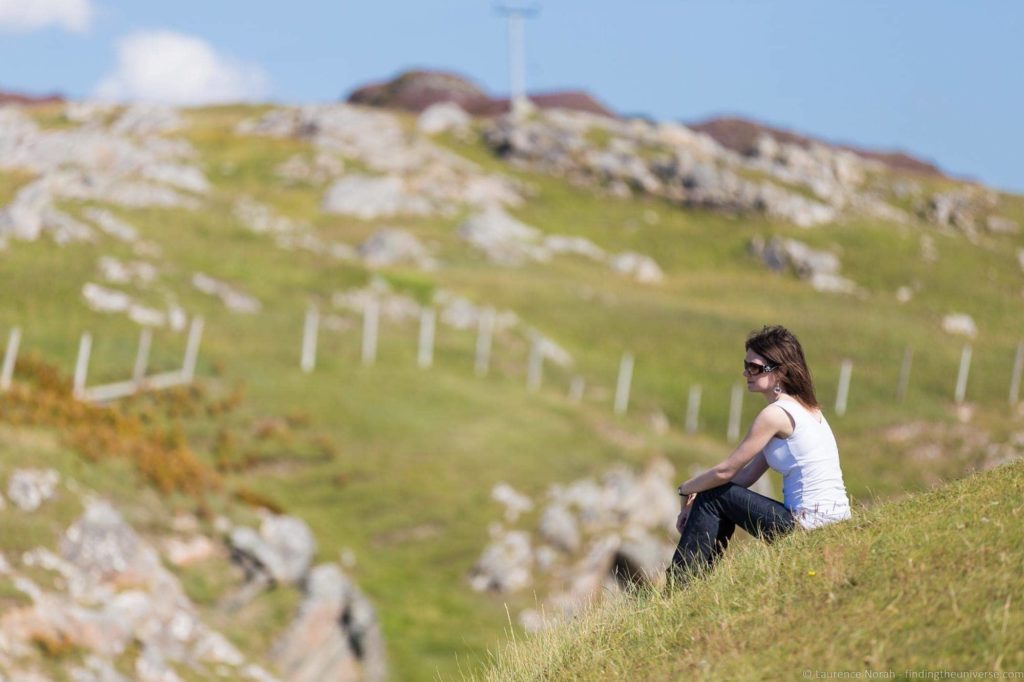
(780, 348)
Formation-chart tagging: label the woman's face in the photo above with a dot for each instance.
(758, 380)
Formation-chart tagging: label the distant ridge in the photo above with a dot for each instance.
(740, 135)
(417, 90)
(7, 97)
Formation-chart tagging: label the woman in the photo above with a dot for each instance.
(792, 437)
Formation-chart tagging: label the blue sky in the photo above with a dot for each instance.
(942, 79)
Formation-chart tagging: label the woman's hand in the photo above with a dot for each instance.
(685, 513)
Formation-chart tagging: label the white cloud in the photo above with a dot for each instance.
(28, 15)
(171, 68)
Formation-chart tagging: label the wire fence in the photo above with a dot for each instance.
(484, 351)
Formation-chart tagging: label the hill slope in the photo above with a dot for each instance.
(930, 583)
(248, 216)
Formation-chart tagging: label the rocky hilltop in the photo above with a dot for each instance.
(416, 90)
(741, 135)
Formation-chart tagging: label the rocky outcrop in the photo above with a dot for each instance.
(232, 298)
(280, 552)
(665, 160)
(742, 136)
(110, 598)
(591, 537)
(408, 175)
(507, 241)
(819, 268)
(335, 636)
(960, 324)
(121, 163)
(28, 489)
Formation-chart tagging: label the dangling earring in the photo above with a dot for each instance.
(777, 389)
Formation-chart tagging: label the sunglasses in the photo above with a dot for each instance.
(754, 369)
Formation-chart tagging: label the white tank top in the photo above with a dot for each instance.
(812, 482)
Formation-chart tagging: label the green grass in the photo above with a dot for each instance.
(929, 583)
(414, 453)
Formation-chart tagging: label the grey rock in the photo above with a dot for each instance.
(558, 526)
(1002, 225)
(505, 565)
(443, 117)
(394, 246)
(641, 560)
(684, 167)
(100, 543)
(370, 198)
(336, 634)
(638, 266)
(960, 324)
(502, 238)
(231, 297)
(29, 488)
(281, 551)
(515, 502)
(820, 268)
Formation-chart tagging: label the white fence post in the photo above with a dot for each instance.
(576, 388)
(310, 331)
(425, 350)
(1018, 364)
(693, 409)
(82, 365)
(845, 369)
(623, 384)
(961, 377)
(485, 330)
(371, 317)
(535, 364)
(904, 380)
(142, 356)
(195, 334)
(10, 356)
(732, 434)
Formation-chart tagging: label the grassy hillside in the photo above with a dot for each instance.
(930, 583)
(396, 464)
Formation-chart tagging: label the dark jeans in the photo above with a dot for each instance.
(713, 519)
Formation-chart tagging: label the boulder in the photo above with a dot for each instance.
(281, 551)
(1002, 225)
(515, 503)
(960, 324)
(231, 297)
(558, 526)
(100, 544)
(335, 636)
(29, 488)
(370, 198)
(638, 266)
(443, 117)
(502, 238)
(819, 268)
(392, 247)
(505, 565)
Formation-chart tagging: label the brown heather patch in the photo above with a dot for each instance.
(159, 452)
(257, 499)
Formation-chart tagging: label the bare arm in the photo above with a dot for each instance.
(770, 422)
(754, 470)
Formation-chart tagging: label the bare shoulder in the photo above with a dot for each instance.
(778, 419)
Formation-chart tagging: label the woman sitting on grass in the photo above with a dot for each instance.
(791, 436)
